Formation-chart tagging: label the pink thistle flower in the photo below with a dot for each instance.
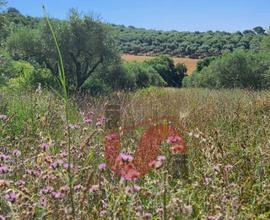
(66, 166)
(20, 183)
(43, 201)
(44, 146)
(16, 153)
(57, 195)
(125, 157)
(11, 197)
(4, 157)
(102, 166)
(87, 120)
(174, 139)
(161, 158)
(4, 169)
(78, 187)
(100, 121)
(46, 190)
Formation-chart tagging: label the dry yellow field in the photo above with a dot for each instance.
(190, 63)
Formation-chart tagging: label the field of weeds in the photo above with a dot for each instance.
(227, 135)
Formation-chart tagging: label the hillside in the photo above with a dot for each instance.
(138, 41)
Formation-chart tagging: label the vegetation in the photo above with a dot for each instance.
(239, 69)
(185, 44)
(227, 135)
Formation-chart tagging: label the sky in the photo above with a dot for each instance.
(180, 15)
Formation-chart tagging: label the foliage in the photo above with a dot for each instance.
(172, 75)
(140, 41)
(84, 43)
(239, 69)
(227, 134)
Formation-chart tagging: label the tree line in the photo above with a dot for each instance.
(139, 41)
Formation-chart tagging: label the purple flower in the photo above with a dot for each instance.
(4, 169)
(147, 216)
(11, 197)
(34, 173)
(73, 126)
(56, 164)
(3, 117)
(66, 166)
(102, 166)
(43, 201)
(57, 195)
(16, 153)
(173, 139)
(44, 146)
(100, 121)
(126, 157)
(46, 190)
(87, 120)
(20, 183)
(161, 158)
(78, 187)
(4, 157)
(2, 217)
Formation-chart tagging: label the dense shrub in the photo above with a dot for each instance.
(239, 69)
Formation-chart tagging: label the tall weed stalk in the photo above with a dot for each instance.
(65, 96)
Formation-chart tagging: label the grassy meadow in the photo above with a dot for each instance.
(227, 134)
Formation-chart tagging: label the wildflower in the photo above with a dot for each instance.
(4, 157)
(94, 188)
(44, 146)
(112, 137)
(56, 164)
(125, 157)
(133, 189)
(43, 201)
(16, 153)
(155, 164)
(34, 173)
(66, 166)
(102, 166)
(174, 139)
(2, 217)
(161, 158)
(4, 169)
(20, 183)
(46, 190)
(87, 120)
(100, 121)
(57, 195)
(11, 197)
(73, 126)
(3, 117)
(78, 187)
(228, 167)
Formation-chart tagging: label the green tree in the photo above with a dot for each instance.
(259, 30)
(85, 43)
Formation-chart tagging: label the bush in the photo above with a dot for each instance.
(239, 69)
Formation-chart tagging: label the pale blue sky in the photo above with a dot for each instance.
(181, 15)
